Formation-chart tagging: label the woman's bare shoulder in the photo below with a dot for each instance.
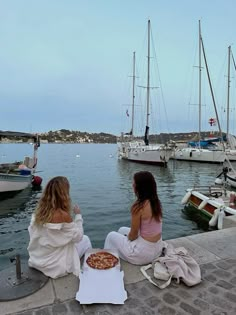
(61, 216)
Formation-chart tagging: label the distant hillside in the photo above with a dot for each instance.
(70, 136)
(182, 136)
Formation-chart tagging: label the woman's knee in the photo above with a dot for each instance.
(109, 241)
(111, 235)
(124, 230)
(87, 242)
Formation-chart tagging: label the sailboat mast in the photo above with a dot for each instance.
(200, 85)
(133, 95)
(148, 74)
(228, 93)
(146, 137)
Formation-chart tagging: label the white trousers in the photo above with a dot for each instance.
(137, 252)
(83, 245)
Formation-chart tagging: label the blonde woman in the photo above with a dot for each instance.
(56, 241)
(141, 243)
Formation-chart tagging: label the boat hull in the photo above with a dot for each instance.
(150, 154)
(199, 155)
(231, 179)
(207, 212)
(14, 183)
(231, 154)
(212, 205)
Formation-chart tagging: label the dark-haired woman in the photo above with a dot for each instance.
(141, 243)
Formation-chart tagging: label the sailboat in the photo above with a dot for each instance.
(200, 153)
(139, 151)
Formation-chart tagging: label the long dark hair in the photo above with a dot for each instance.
(146, 189)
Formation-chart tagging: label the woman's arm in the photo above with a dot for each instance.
(135, 225)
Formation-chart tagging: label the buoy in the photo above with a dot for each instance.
(77, 155)
(203, 204)
(214, 218)
(186, 197)
(36, 181)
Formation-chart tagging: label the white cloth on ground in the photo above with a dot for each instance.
(55, 248)
(137, 252)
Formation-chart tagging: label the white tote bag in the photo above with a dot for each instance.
(160, 272)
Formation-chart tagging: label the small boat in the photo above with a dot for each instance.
(143, 151)
(212, 203)
(17, 176)
(227, 176)
(202, 150)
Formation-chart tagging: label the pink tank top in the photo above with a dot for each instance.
(150, 227)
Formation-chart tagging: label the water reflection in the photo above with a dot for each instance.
(15, 213)
(102, 186)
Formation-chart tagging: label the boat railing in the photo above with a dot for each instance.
(209, 189)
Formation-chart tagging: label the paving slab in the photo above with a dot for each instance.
(66, 287)
(132, 273)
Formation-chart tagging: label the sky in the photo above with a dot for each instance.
(66, 64)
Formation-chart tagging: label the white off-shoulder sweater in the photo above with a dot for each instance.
(52, 247)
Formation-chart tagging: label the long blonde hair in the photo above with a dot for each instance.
(55, 196)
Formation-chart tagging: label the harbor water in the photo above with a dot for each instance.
(102, 186)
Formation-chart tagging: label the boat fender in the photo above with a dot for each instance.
(186, 197)
(232, 199)
(219, 181)
(214, 218)
(36, 181)
(203, 204)
(221, 219)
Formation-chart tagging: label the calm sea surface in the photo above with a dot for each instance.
(102, 186)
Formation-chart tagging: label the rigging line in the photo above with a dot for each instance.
(162, 94)
(219, 86)
(233, 60)
(192, 82)
(211, 89)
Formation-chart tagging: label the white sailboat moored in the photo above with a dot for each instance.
(139, 151)
(199, 153)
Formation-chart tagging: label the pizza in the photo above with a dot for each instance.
(102, 260)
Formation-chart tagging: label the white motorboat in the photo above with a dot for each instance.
(17, 176)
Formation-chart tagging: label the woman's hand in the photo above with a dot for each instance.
(76, 209)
